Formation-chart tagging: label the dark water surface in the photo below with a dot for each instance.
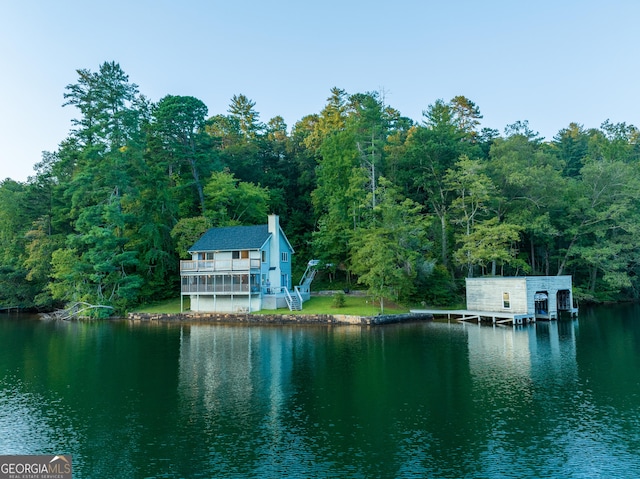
(423, 400)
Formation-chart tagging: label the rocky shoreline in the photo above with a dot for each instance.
(246, 318)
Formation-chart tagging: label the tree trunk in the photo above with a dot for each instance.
(546, 261)
(196, 179)
(573, 241)
(566, 256)
(443, 225)
(593, 279)
(469, 264)
(533, 257)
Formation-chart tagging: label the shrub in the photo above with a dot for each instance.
(338, 300)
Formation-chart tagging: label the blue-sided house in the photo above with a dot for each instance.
(240, 269)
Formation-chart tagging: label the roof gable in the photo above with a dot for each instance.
(232, 238)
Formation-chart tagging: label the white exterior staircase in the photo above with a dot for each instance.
(302, 292)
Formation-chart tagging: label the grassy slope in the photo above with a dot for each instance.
(355, 305)
(170, 306)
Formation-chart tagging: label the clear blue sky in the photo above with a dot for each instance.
(550, 62)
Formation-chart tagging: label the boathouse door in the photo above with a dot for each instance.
(541, 299)
(564, 300)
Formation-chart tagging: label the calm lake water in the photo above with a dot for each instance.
(421, 400)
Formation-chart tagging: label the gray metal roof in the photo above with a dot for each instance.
(232, 238)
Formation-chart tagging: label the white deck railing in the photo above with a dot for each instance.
(226, 288)
(222, 289)
(210, 265)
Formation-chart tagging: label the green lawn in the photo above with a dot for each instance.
(170, 306)
(354, 305)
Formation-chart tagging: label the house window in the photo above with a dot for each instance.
(284, 257)
(506, 302)
(244, 254)
(255, 283)
(235, 255)
(264, 256)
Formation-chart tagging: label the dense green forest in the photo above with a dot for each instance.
(404, 209)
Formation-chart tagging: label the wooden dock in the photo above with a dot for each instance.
(495, 317)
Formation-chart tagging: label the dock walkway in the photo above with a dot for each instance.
(496, 317)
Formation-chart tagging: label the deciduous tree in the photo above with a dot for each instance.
(391, 249)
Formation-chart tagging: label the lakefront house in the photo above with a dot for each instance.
(242, 269)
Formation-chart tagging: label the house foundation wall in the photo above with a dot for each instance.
(224, 304)
(274, 302)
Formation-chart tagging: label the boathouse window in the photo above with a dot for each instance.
(264, 256)
(284, 257)
(506, 303)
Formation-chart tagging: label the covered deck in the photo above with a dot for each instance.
(193, 266)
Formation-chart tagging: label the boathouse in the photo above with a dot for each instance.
(537, 297)
(515, 299)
